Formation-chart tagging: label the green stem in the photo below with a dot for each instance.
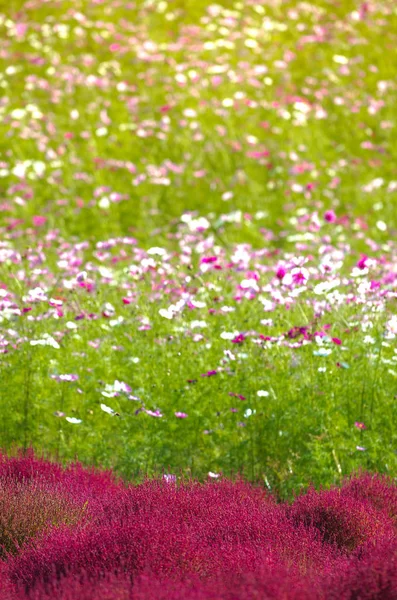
(26, 406)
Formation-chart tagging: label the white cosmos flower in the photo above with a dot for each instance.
(356, 272)
(198, 304)
(198, 224)
(120, 386)
(108, 410)
(381, 225)
(157, 250)
(227, 309)
(116, 322)
(249, 412)
(198, 324)
(47, 340)
(391, 325)
(322, 352)
(326, 286)
(249, 284)
(18, 113)
(228, 335)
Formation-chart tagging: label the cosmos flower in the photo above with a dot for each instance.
(108, 410)
(209, 373)
(66, 377)
(181, 415)
(46, 340)
(153, 413)
(330, 216)
(359, 425)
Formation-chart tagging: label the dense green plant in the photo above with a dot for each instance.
(197, 256)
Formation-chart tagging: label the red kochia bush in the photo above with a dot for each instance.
(206, 530)
(370, 574)
(92, 487)
(343, 517)
(37, 495)
(275, 583)
(28, 508)
(373, 489)
(90, 536)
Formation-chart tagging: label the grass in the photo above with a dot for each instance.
(224, 160)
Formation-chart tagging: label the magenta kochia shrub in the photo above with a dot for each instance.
(347, 517)
(373, 489)
(37, 495)
(91, 487)
(28, 508)
(275, 582)
(205, 530)
(83, 534)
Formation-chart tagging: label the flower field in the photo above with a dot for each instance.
(75, 533)
(198, 255)
(198, 282)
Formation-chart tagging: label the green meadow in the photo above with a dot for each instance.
(198, 259)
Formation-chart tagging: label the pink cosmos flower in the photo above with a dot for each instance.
(66, 377)
(330, 216)
(208, 259)
(362, 262)
(239, 339)
(360, 425)
(154, 413)
(239, 396)
(20, 29)
(258, 153)
(54, 302)
(38, 220)
(181, 415)
(209, 373)
(297, 276)
(300, 275)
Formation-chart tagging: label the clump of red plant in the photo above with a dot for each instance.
(347, 517)
(70, 532)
